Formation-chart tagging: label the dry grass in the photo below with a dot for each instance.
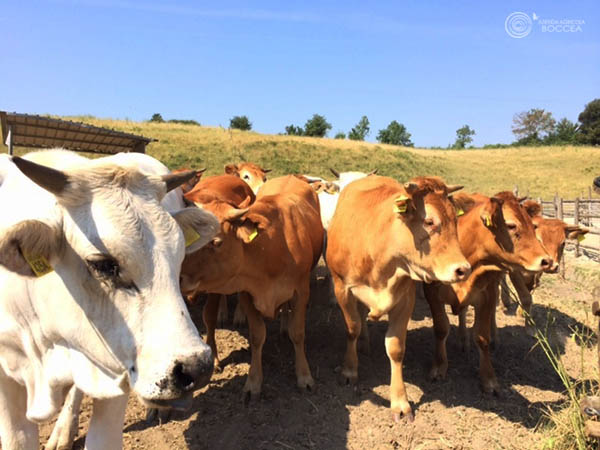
(537, 171)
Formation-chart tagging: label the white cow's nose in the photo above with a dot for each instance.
(192, 372)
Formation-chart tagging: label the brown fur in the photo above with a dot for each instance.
(271, 268)
(377, 241)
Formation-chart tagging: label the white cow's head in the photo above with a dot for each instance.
(110, 316)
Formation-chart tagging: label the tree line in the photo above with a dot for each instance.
(531, 128)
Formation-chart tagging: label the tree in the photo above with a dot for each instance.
(395, 134)
(293, 130)
(532, 126)
(361, 130)
(565, 132)
(240, 123)
(156, 117)
(316, 126)
(589, 130)
(464, 136)
(340, 135)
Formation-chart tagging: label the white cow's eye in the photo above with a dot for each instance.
(246, 177)
(106, 267)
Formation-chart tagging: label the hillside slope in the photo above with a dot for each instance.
(538, 171)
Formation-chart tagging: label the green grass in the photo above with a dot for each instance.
(539, 171)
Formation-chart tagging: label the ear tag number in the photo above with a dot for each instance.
(253, 235)
(400, 208)
(459, 212)
(190, 235)
(38, 264)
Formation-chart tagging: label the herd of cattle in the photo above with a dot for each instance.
(97, 256)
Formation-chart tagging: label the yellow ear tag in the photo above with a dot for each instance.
(459, 212)
(580, 237)
(399, 208)
(401, 198)
(487, 221)
(253, 235)
(38, 264)
(190, 235)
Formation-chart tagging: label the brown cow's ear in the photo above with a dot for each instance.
(411, 187)
(247, 231)
(198, 225)
(231, 169)
(575, 232)
(246, 203)
(28, 247)
(453, 188)
(533, 208)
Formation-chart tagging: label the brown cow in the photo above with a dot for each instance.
(266, 252)
(251, 173)
(553, 234)
(383, 236)
(495, 235)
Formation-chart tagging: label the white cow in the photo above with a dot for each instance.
(89, 293)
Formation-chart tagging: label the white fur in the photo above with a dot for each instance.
(68, 328)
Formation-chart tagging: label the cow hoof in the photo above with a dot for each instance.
(409, 417)
(438, 373)
(250, 397)
(491, 387)
(151, 415)
(61, 438)
(347, 377)
(306, 383)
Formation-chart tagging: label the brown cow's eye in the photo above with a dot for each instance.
(429, 222)
(511, 226)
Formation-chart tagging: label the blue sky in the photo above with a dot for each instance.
(433, 66)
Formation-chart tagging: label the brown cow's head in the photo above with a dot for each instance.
(426, 209)
(239, 227)
(553, 234)
(506, 233)
(251, 173)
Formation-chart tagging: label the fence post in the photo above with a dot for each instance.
(576, 220)
(556, 205)
(539, 200)
(516, 191)
(560, 208)
(589, 218)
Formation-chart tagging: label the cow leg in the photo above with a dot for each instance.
(441, 329)
(239, 318)
(463, 332)
(525, 300)
(296, 331)
(16, 432)
(223, 313)
(364, 343)
(210, 318)
(65, 428)
(505, 293)
(484, 311)
(258, 333)
(349, 307)
(395, 345)
(106, 425)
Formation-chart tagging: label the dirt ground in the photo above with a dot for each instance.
(450, 414)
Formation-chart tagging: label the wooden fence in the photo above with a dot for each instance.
(584, 211)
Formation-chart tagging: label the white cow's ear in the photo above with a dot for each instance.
(28, 247)
(199, 227)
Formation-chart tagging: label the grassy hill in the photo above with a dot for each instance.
(540, 171)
